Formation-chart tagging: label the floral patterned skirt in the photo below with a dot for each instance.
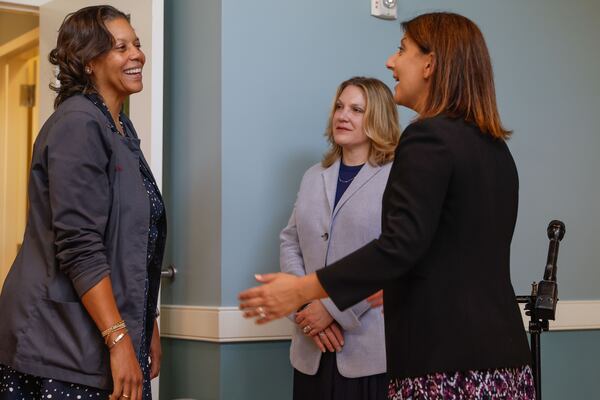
(503, 383)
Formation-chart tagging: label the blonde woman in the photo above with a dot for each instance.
(335, 354)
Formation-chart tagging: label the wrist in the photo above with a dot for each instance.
(116, 339)
(310, 288)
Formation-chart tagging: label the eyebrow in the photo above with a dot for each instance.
(137, 39)
(351, 104)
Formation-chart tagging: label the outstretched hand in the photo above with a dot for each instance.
(278, 296)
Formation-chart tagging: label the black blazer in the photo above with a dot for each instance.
(449, 212)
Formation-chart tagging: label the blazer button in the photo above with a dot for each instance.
(325, 236)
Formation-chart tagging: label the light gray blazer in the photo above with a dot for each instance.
(318, 235)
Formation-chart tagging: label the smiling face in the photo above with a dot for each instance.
(118, 73)
(348, 130)
(412, 69)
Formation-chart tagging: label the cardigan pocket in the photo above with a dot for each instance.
(63, 335)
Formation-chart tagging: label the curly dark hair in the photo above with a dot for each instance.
(82, 37)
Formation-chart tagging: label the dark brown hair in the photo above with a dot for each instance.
(463, 81)
(82, 37)
(380, 121)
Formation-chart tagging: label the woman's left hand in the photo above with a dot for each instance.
(155, 352)
(314, 318)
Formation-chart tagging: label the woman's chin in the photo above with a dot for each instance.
(134, 89)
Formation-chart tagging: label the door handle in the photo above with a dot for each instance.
(169, 273)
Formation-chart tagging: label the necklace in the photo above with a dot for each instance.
(348, 181)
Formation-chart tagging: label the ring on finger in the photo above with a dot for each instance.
(261, 312)
(306, 329)
(321, 333)
(124, 396)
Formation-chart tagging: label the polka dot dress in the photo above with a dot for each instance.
(17, 386)
(153, 278)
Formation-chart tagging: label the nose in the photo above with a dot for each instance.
(342, 114)
(389, 64)
(137, 54)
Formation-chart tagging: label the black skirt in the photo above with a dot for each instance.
(329, 384)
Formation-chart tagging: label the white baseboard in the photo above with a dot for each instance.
(226, 324)
(218, 324)
(573, 315)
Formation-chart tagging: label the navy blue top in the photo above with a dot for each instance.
(345, 177)
(153, 257)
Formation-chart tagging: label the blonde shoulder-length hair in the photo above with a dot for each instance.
(380, 122)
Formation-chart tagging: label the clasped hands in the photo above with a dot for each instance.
(315, 322)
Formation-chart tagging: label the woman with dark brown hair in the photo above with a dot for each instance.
(79, 303)
(453, 328)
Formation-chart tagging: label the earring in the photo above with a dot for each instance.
(88, 70)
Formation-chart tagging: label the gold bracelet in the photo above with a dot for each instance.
(116, 327)
(106, 338)
(117, 339)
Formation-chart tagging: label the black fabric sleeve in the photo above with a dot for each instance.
(412, 205)
(79, 193)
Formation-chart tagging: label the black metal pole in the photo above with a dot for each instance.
(536, 359)
(536, 327)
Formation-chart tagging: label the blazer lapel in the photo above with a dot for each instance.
(330, 176)
(364, 175)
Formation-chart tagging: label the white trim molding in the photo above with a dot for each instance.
(219, 324)
(227, 324)
(572, 315)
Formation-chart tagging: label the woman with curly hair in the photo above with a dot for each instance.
(79, 303)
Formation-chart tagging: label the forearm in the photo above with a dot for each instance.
(100, 303)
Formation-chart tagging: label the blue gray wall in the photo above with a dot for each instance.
(282, 62)
(248, 88)
(192, 160)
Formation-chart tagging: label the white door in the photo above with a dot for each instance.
(146, 108)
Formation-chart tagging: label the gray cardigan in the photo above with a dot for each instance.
(318, 235)
(88, 218)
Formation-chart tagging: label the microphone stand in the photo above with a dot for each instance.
(536, 327)
(541, 304)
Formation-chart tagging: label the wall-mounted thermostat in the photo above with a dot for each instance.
(385, 9)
